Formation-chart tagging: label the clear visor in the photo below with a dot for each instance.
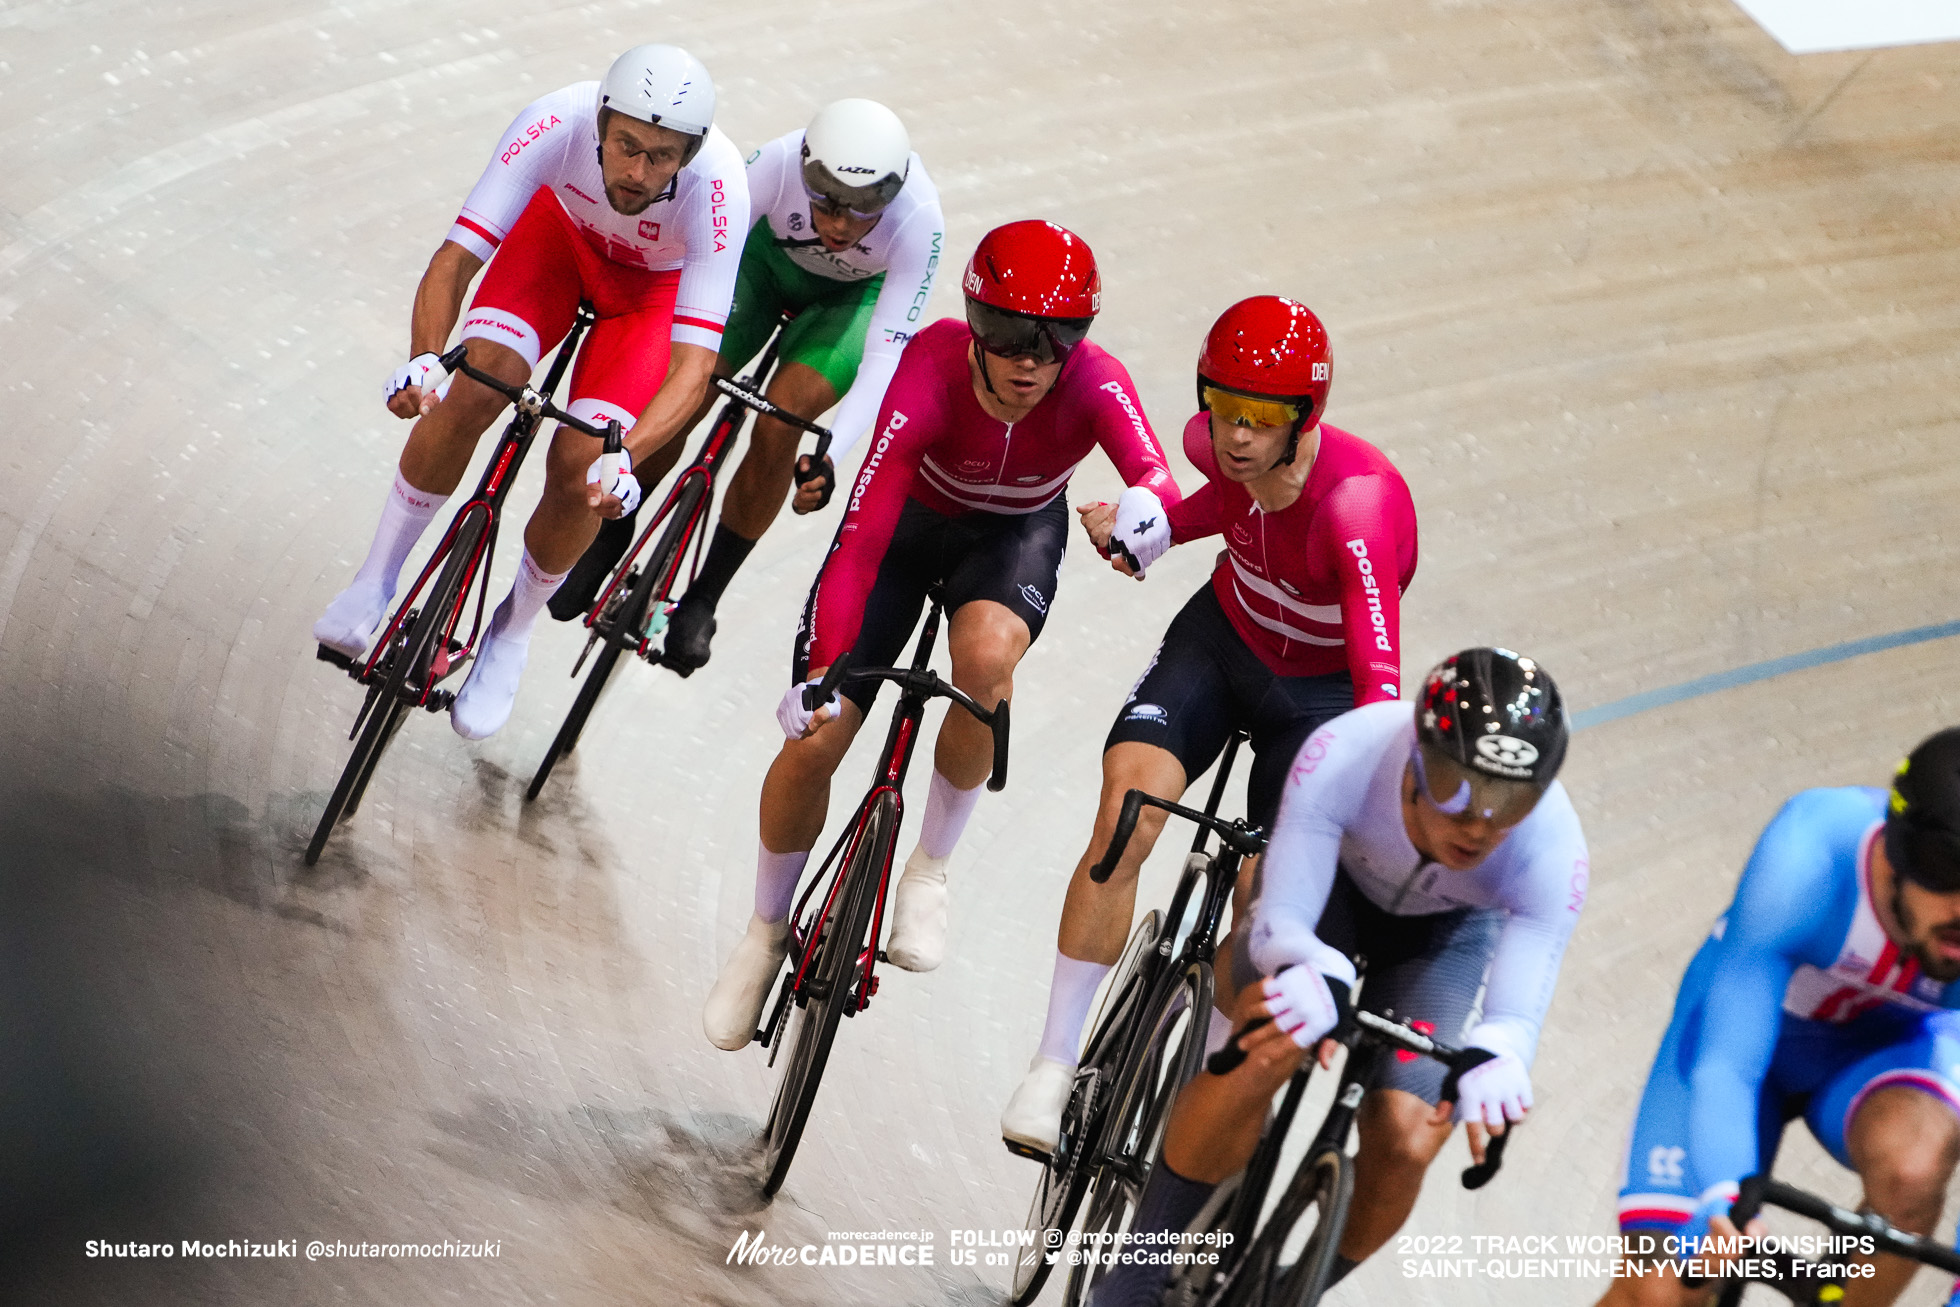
(866, 201)
(1463, 794)
(1010, 335)
(1249, 410)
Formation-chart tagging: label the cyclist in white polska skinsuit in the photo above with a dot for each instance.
(621, 193)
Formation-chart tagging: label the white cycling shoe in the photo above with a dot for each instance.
(350, 620)
(918, 938)
(483, 704)
(1033, 1116)
(734, 1007)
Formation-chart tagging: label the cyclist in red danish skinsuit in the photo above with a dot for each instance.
(962, 488)
(1299, 623)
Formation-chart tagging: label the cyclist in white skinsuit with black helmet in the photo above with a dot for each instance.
(1433, 840)
(847, 236)
(621, 193)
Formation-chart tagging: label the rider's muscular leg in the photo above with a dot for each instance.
(759, 486)
(796, 792)
(564, 524)
(1397, 1145)
(1096, 918)
(987, 642)
(1905, 1144)
(439, 445)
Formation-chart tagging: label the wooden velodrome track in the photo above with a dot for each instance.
(1658, 321)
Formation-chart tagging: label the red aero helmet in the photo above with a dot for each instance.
(1035, 268)
(1270, 346)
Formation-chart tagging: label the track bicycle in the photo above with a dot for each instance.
(1806, 1282)
(1145, 1042)
(1286, 1260)
(834, 928)
(631, 609)
(418, 648)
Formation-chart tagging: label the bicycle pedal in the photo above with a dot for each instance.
(344, 662)
(439, 700)
(1028, 1151)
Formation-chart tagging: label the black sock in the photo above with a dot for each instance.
(726, 553)
(1169, 1202)
(1342, 1265)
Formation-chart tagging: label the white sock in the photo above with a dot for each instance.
(518, 613)
(947, 809)
(405, 515)
(1069, 997)
(776, 875)
(1219, 1031)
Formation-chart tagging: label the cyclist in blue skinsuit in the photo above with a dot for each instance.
(1825, 991)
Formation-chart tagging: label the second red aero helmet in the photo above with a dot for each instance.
(1031, 290)
(1266, 362)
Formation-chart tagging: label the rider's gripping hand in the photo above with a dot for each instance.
(1490, 1089)
(1711, 1216)
(1142, 526)
(409, 392)
(612, 474)
(1304, 1003)
(1098, 520)
(796, 720)
(813, 489)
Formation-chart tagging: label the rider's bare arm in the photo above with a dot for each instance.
(689, 368)
(438, 303)
(439, 298)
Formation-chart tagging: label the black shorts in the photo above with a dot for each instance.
(1426, 969)
(1012, 559)
(1204, 682)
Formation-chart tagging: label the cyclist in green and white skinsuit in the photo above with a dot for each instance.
(849, 236)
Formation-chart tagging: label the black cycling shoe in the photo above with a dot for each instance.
(589, 574)
(690, 628)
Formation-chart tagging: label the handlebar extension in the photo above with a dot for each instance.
(528, 400)
(1246, 841)
(815, 696)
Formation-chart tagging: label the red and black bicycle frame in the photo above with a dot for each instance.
(489, 499)
(900, 741)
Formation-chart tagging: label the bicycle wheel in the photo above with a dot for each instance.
(360, 764)
(1289, 1262)
(631, 616)
(840, 944)
(1065, 1176)
(1172, 1048)
(396, 714)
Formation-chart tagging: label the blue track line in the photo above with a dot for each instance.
(1836, 653)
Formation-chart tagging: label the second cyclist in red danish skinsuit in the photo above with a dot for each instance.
(1316, 587)
(1299, 623)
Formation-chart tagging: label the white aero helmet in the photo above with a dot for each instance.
(856, 155)
(663, 85)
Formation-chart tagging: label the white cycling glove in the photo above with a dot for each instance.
(1493, 1091)
(1303, 1004)
(613, 473)
(415, 372)
(1142, 526)
(793, 717)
